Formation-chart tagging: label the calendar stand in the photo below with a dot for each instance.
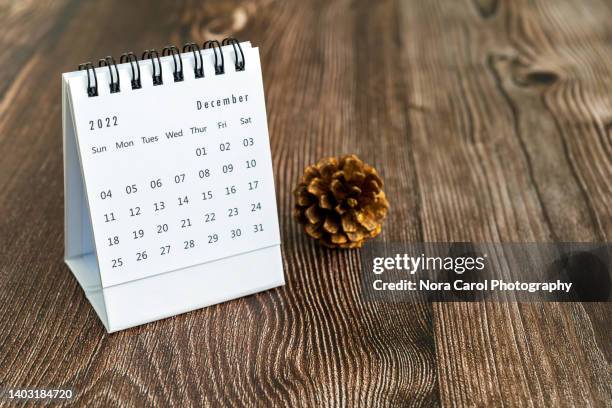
(240, 260)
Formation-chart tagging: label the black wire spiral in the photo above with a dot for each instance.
(178, 68)
(239, 62)
(114, 84)
(157, 76)
(132, 59)
(197, 70)
(92, 87)
(153, 56)
(219, 62)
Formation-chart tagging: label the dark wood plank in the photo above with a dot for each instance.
(490, 121)
(510, 148)
(23, 26)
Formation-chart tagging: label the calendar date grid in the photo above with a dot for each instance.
(247, 213)
(204, 202)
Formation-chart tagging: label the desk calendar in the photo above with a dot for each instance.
(169, 192)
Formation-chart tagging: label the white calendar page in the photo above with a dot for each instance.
(178, 174)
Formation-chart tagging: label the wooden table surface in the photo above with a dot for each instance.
(489, 121)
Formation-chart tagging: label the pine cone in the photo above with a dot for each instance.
(340, 202)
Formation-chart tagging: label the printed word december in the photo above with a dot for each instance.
(220, 102)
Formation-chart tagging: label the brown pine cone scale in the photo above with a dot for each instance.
(341, 202)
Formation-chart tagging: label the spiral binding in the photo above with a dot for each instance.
(153, 56)
(114, 84)
(219, 63)
(132, 59)
(197, 70)
(157, 76)
(178, 68)
(92, 88)
(239, 62)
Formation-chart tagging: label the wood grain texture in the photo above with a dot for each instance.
(489, 121)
